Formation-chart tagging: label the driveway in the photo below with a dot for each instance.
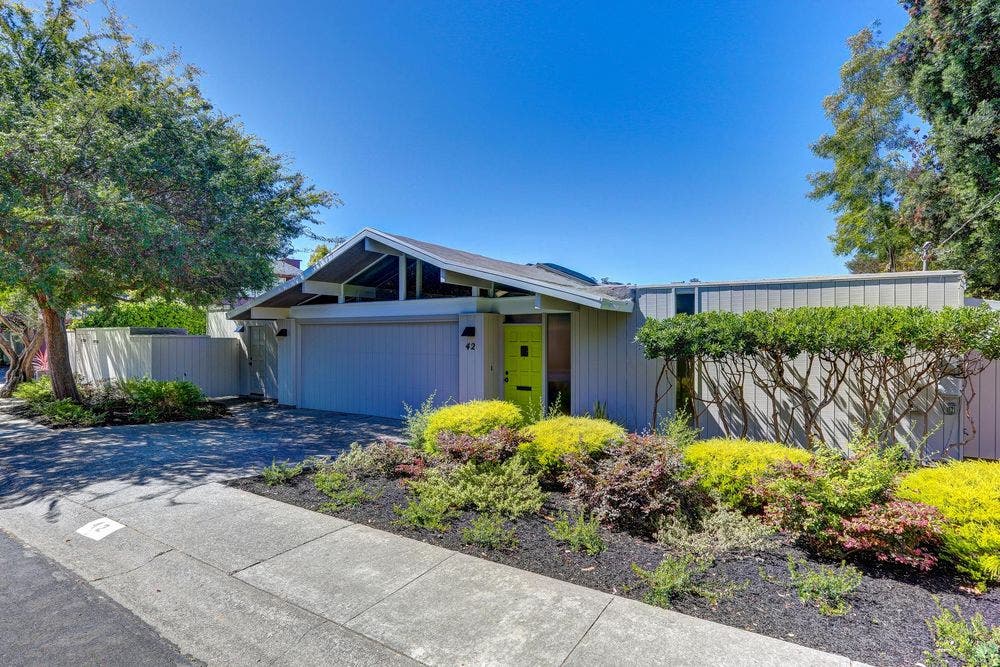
(37, 462)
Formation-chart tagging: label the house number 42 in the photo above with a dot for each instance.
(470, 346)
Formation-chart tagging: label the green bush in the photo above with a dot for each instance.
(578, 533)
(66, 412)
(551, 439)
(826, 587)
(972, 643)
(731, 468)
(488, 531)
(431, 511)
(154, 312)
(281, 473)
(476, 418)
(717, 532)
(35, 392)
(967, 494)
(673, 577)
(342, 490)
(159, 400)
(813, 498)
(508, 489)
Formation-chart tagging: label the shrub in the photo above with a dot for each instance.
(35, 392)
(900, 531)
(812, 498)
(967, 494)
(678, 429)
(487, 530)
(340, 488)
(633, 484)
(66, 412)
(155, 312)
(415, 421)
(732, 468)
(281, 473)
(671, 578)
(430, 511)
(826, 587)
(383, 458)
(720, 531)
(970, 642)
(473, 418)
(496, 446)
(579, 534)
(158, 400)
(552, 439)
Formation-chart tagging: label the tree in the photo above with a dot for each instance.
(155, 312)
(119, 177)
(20, 337)
(867, 148)
(321, 251)
(947, 56)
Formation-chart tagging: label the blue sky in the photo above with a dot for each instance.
(644, 142)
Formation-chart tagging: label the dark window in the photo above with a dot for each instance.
(557, 360)
(684, 304)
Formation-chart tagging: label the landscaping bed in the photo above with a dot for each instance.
(885, 625)
(137, 401)
(867, 555)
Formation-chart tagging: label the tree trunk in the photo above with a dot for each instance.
(20, 366)
(57, 348)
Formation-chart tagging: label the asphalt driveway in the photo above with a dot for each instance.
(37, 462)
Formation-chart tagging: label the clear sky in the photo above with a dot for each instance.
(645, 143)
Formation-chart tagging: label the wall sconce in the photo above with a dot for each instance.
(281, 333)
(240, 328)
(468, 332)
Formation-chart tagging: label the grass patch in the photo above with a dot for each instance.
(579, 534)
(488, 531)
(827, 587)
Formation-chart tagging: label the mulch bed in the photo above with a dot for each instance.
(210, 410)
(885, 626)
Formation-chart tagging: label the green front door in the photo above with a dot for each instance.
(522, 365)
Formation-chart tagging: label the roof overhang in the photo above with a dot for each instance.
(370, 246)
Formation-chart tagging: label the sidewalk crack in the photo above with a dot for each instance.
(587, 632)
(132, 569)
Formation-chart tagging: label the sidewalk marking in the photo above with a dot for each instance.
(98, 529)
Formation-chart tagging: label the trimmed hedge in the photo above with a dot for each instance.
(154, 312)
(733, 467)
(551, 439)
(967, 493)
(476, 418)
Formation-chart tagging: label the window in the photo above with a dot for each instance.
(557, 360)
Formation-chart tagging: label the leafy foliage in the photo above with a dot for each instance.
(972, 642)
(35, 392)
(714, 533)
(812, 498)
(159, 400)
(826, 587)
(678, 429)
(415, 421)
(633, 483)
(732, 468)
(431, 511)
(385, 457)
(899, 531)
(673, 577)
(578, 533)
(67, 412)
(281, 473)
(21, 337)
(476, 418)
(342, 490)
(488, 531)
(154, 312)
(495, 447)
(318, 253)
(967, 494)
(549, 440)
(801, 359)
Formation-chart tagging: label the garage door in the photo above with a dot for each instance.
(372, 369)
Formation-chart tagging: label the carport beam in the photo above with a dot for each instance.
(402, 277)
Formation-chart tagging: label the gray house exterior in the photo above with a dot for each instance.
(386, 320)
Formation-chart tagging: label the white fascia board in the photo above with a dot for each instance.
(269, 313)
(336, 289)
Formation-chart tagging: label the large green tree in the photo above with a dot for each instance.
(949, 57)
(119, 177)
(20, 337)
(868, 150)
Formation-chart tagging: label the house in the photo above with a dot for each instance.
(385, 320)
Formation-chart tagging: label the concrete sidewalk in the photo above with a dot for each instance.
(234, 578)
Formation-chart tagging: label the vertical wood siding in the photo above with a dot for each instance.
(609, 366)
(982, 394)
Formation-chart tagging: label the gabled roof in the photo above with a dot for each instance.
(354, 255)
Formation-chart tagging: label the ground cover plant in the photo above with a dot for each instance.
(132, 401)
(638, 518)
(732, 468)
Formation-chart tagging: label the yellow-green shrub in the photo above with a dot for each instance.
(967, 493)
(731, 467)
(551, 439)
(472, 418)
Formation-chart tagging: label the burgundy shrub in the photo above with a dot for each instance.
(899, 531)
(495, 447)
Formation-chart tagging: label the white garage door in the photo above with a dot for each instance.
(372, 369)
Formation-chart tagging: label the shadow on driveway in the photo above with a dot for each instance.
(37, 462)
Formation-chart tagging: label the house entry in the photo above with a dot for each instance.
(522, 365)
